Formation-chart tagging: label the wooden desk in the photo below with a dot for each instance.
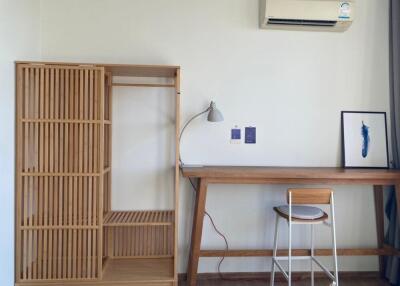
(276, 175)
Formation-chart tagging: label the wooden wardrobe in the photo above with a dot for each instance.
(66, 231)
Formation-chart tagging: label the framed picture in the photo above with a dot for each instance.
(364, 139)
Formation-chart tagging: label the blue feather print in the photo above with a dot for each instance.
(366, 139)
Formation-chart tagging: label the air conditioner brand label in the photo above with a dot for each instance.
(344, 10)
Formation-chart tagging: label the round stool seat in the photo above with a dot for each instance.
(302, 212)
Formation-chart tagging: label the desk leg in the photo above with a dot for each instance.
(380, 231)
(197, 229)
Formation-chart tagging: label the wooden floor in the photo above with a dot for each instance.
(368, 281)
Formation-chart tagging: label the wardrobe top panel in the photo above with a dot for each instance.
(122, 69)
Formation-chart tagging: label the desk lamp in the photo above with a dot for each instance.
(214, 115)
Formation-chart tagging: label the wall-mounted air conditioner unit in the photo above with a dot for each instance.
(319, 15)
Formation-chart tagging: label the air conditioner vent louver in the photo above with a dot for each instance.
(299, 22)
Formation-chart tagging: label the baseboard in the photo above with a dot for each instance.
(266, 275)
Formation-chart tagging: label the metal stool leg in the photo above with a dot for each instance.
(275, 250)
(312, 255)
(290, 254)
(306, 196)
(333, 228)
(290, 241)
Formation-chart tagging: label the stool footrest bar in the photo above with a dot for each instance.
(327, 272)
(384, 251)
(293, 258)
(280, 268)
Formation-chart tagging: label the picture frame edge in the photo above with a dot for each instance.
(343, 155)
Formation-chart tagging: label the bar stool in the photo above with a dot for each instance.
(297, 213)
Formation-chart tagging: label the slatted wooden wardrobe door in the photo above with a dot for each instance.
(59, 165)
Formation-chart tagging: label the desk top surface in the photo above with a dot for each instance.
(254, 172)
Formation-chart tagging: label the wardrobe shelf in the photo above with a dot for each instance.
(145, 270)
(58, 227)
(139, 218)
(62, 120)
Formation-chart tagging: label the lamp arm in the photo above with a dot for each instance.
(186, 125)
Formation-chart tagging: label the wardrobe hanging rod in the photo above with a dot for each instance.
(142, 84)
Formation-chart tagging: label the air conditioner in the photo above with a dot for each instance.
(319, 15)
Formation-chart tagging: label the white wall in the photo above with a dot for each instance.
(20, 40)
(290, 85)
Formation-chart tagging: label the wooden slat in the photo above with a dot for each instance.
(40, 222)
(71, 235)
(66, 242)
(92, 192)
(35, 223)
(87, 194)
(81, 243)
(50, 179)
(25, 210)
(60, 231)
(99, 81)
(62, 91)
(177, 166)
(75, 254)
(36, 115)
(28, 158)
(88, 191)
(95, 268)
(89, 239)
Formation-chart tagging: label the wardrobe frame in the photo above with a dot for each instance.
(65, 230)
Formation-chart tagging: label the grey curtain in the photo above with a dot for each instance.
(393, 233)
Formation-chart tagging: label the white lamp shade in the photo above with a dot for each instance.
(214, 115)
